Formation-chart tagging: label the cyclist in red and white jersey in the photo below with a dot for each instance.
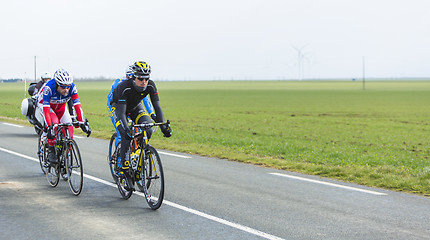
(52, 100)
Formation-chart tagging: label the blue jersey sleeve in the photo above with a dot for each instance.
(110, 95)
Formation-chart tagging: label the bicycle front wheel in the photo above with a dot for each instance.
(153, 178)
(74, 168)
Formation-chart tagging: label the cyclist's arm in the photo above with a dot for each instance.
(47, 93)
(158, 112)
(77, 104)
(155, 100)
(166, 129)
(37, 88)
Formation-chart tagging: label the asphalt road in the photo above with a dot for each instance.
(206, 198)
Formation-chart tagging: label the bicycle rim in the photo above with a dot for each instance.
(112, 158)
(40, 153)
(126, 194)
(153, 179)
(140, 182)
(53, 175)
(74, 169)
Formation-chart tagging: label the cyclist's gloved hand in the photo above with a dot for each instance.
(166, 129)
(86, 128)
(153, 116)
(76, 124)
(51, 132)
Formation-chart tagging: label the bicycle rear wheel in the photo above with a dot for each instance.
(112, 158)
(40, 153)
(153, 178)
(120, 182)
(74, 169)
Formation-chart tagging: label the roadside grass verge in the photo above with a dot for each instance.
(377, 137)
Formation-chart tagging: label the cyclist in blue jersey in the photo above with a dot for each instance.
(146, 102)
(126, 102)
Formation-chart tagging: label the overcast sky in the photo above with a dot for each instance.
(223, 39)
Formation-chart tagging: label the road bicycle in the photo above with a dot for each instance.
(146, 170)
(69, 162)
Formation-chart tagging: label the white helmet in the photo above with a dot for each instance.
(46, 75)
(62, 77)
(129, 72)
(24, 107)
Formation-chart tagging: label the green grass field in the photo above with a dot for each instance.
(377, 137)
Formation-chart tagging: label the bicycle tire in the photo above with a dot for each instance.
(126, 194)
(112, 159)
(74, 168)
(140, 182)
(153, 178)
(140, 185)
(40, 152)
(52, 171)
(37, 130)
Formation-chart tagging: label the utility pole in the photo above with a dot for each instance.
(364, 73)
(35, 77)
(25, 85)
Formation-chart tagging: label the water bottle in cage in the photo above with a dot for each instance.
(135, 159)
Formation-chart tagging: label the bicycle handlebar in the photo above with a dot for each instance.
(76, 124)
(150, 125)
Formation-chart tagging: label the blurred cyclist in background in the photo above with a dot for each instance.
(46, 76)
(29, 105)
(38, 113)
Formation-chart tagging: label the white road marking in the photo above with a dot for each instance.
(172, 204)
(77, 136)
(329, 184)
(13, 125)
(175, 155)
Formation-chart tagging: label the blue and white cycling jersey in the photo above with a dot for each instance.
(146, 103)
(51, 97)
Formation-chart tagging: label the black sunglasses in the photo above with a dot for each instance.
(142, 78)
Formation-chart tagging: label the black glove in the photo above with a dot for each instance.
(166, 129)
(154, 117)
(51, 132)
(86, 128)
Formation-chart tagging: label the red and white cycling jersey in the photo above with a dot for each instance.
(52, 101)
(53, 106)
